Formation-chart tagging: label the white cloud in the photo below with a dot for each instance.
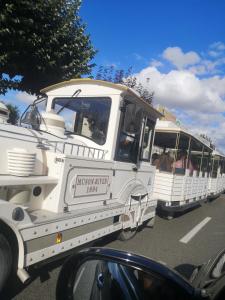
(214, 53)
(198, 102)
(218, 46)
(138, 56)
(24, 97)
(216, 49)
(207, 63)
(156, 63)
(178, 58)
(213, 125)
(215, 84)
(206, 67)
(198, 70)
(182, 89)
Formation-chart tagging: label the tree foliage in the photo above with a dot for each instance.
(207, 138)
(114, 75)
(14, 114)
(41, 43)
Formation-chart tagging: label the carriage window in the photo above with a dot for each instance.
(215, 167)
(129, 133)
(87, 117)
(222, 166)
(164, 150)
(147, 140)
(196, 155)
(205, 164)
(182, 160)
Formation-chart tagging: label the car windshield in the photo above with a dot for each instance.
(88, 117)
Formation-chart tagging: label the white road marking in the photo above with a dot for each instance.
(195, 230)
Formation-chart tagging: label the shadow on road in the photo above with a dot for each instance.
(172, 215)
(14, 286)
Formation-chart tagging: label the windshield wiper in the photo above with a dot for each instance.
(75, 94)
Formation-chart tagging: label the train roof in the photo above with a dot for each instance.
(216, 152)
(171, 127)
(120, 88)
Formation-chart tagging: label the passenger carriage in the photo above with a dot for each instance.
(180, 184)
(217, 175)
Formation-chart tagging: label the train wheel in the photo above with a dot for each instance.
(5, 260)
(149, 223)
(127, 234)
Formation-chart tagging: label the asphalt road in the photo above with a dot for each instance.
(181, 243)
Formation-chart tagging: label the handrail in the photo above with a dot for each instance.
(78, 150)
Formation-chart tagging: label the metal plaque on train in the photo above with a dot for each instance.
(86, 185)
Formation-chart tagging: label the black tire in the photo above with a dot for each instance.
(5, 260)
(149, 223)
(127, 234)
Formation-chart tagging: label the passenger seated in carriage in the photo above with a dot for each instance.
(155, 160)
(181, 164)
(165, 161)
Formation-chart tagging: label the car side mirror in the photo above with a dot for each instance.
(106, 274)
(210, 271)
(32, 118)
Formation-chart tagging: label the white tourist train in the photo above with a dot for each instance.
(75, 172)
(81, 167)
(188, 171)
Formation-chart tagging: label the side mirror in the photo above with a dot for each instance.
(210, 271)
(219, 266)
(106, 274)
(31, 118)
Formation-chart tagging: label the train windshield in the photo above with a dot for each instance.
(85, 116)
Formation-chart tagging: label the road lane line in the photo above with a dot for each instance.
(195, 230)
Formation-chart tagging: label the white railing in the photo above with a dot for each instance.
(217, 185)
(77, 150)
(182, 188)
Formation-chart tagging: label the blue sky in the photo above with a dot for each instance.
(179, 45)
(121, 29)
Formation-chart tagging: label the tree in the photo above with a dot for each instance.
(120, 76)
(42, 43)
(207, 138)
(14, 114)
